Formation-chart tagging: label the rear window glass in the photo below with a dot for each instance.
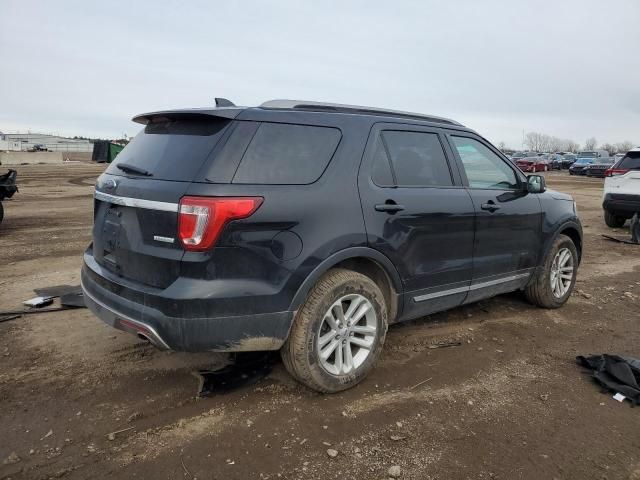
(418, 159)
(630, 161)
(287, 154)
(171, 148)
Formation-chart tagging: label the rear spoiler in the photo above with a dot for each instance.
(225, 112)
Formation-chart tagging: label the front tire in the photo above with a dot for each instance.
(555, 279)
(613, 221)
(338, 333)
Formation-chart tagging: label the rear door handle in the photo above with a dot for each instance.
(492, 207)
(389, 207)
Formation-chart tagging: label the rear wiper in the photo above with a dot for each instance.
(133, 169)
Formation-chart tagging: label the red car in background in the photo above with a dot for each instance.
(533, 164)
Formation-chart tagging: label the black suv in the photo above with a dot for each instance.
(310, 227)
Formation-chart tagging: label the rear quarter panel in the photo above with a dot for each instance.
(294, 230)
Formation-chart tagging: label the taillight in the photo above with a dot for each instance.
(201, 219)
(612, 172)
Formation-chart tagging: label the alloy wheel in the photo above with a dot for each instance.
(562, 272)
(347, 334)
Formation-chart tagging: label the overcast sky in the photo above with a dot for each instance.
(568, 68)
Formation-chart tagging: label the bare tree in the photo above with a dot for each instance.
(502, 146)
(573, 147)
(609, 148)
(624, 147)
(541, 142)
(590, 143)
(532, 140)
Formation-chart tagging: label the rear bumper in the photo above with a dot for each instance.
(259, 331)
(621, 205)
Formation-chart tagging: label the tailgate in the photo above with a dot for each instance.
(135, 228)
(136, 199)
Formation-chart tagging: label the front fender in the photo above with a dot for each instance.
(569, 224)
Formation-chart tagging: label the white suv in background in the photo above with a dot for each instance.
(621, 197)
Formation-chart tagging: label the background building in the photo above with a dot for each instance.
(27, 141)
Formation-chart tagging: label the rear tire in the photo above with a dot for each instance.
(613, 221)
(303, 354)
(541, 291)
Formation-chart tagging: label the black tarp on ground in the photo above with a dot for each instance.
(616, 374)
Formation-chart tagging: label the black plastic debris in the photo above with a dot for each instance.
(619, 239)
(615, 374)
(57, 290)
(247, 369)
(70, 295)
(73, 300)
(634, 228)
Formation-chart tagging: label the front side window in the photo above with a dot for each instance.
(483, 167)
(417, 158)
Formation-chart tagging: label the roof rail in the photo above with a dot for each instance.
(342, 108)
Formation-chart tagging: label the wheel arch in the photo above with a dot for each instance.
(364, 260)
(571, 229)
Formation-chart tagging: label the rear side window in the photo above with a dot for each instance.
(381, 173)
(631, 161)
(417, 159)
(172, 148)
(287, 154)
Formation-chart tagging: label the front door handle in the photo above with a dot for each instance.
(389, 207)
(490, 206)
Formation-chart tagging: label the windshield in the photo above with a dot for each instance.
(584, 160)
(587, 155)
(570, 157)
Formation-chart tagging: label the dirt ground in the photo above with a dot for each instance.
(508, 403)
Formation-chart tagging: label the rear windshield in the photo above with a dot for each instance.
(631, 161)
(171, 148)
(587, 155)
(281, 154)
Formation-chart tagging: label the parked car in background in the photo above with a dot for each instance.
(599, 167)
(577, 167)
(39, 147)
(568, 159)
(586, 158)
(621, 197)
(556, 161)
(308, 228)
(533, 164)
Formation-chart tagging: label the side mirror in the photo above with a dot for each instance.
(536, 184)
